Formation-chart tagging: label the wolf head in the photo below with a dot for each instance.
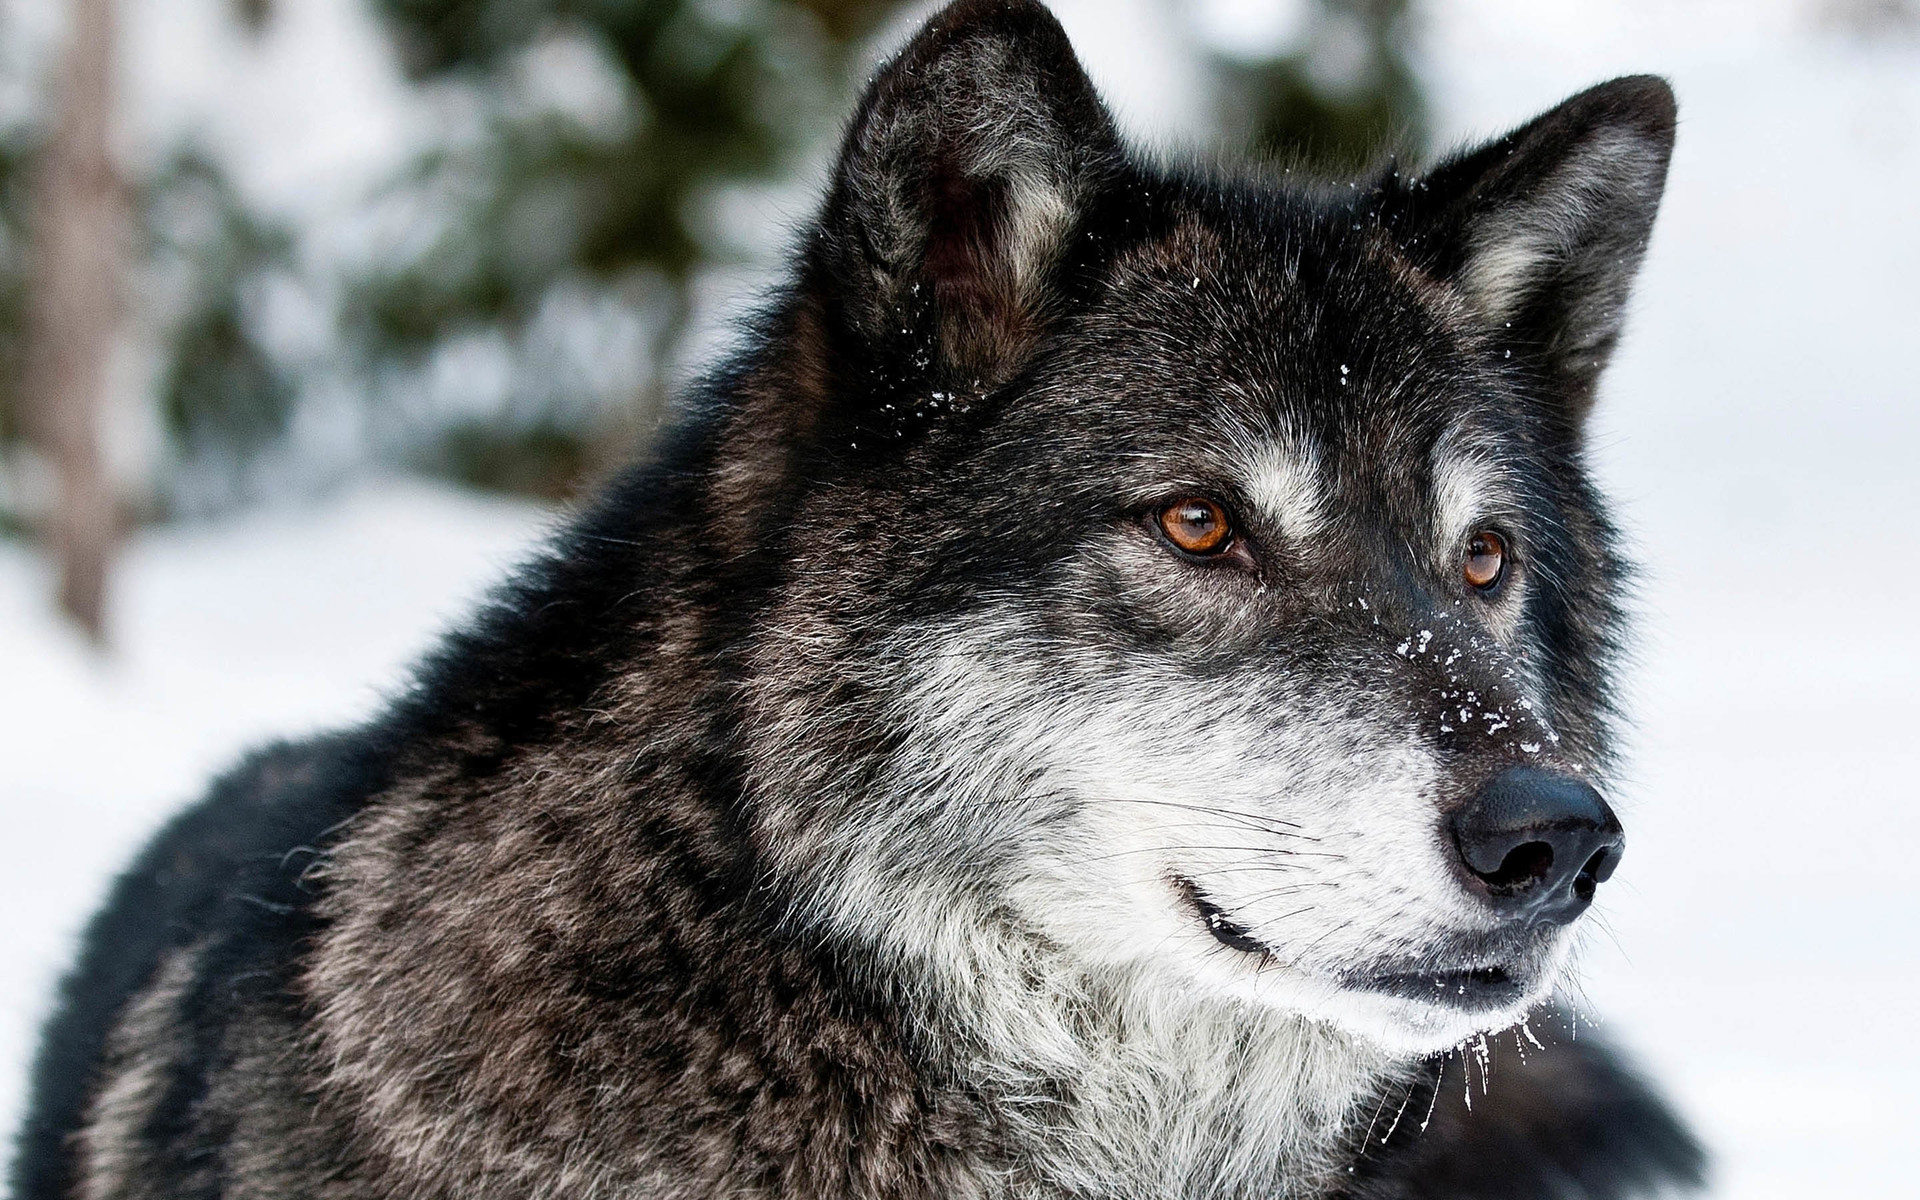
(1193, 577)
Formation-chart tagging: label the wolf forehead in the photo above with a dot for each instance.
(1286, 335)
(1281, 349)
(1233, 303)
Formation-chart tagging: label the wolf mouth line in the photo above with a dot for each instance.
(1477, 989)
(1503, 971)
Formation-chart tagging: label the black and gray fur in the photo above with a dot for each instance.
(863, 799)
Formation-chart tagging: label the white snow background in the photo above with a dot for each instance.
(1759, 433)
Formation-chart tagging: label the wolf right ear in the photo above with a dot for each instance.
(964, 171)
(1542, 231)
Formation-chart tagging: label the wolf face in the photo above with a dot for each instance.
(1202, 586)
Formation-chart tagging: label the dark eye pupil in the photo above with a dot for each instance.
(1486, 559)
(1196, 525)
(1199, 519)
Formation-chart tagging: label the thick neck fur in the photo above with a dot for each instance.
(1123, 1082)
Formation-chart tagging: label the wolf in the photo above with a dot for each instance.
(1106, 691)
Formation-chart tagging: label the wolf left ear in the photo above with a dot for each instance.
(1543, 230)
(962, 175)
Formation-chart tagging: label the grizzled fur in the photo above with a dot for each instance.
(864, 799)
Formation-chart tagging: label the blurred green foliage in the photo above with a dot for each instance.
(17, 142)
(224, 395)
(602, 132)
(253, 14)
(199, 255)
(1341, 99)
(14, 152)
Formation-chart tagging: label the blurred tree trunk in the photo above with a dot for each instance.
(73, 307)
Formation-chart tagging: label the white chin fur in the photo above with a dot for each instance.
(1401, 1027)
(1412, 1028)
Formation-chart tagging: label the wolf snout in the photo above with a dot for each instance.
(1540, 842)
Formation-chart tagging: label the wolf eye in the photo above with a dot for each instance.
(1196, 525)
(1486, 560)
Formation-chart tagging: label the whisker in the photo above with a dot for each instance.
(1260, 850)
(1272, 893)
(1260, 819)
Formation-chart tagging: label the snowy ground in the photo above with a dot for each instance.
(1760, 432)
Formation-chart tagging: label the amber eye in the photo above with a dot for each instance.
(1486, 559)
(1196, 525)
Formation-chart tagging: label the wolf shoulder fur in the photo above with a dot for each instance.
(1027, 734)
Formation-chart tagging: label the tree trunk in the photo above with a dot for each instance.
(73, 309)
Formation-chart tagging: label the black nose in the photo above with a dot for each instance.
(1540, 842)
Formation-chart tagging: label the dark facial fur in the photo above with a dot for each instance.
(865, 799)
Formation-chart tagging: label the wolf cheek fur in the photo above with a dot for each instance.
(871, 798)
